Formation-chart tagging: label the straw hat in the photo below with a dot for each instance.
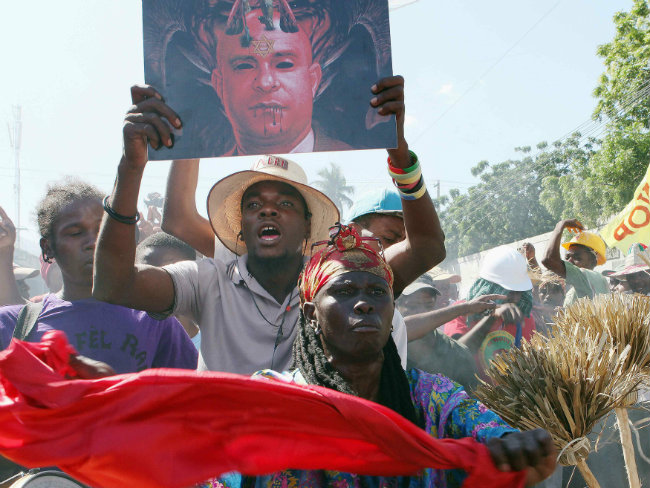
(224, 200)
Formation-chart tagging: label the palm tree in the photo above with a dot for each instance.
(333, 184)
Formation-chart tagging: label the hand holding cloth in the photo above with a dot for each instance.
(174, 428)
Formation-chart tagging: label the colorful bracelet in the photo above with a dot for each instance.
(413, 158)
(406, 175)
(409, 181)
(414, 196)
(410, 186)
(119, 217)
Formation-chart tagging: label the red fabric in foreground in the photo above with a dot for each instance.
(174, 428)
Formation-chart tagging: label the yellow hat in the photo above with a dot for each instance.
(592, 241)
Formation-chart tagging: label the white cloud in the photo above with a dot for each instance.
(446, 89)
(411, 121)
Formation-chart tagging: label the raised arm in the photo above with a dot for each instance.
(9, 294)
(528, 250)
(473, 339)
(419, 325)
(180, 216)
(116, 277)
(424, 246)
(552, 259)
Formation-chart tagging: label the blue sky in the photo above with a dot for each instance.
(481, 79)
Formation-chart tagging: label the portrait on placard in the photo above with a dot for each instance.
(269, 76)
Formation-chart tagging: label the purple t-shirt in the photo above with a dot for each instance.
(128, 340)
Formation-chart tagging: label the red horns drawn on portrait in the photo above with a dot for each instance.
(328, 23)
(237, 23)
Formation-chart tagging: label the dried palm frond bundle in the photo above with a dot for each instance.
(626, 318)
(565, 384)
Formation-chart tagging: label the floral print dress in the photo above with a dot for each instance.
(443, 407)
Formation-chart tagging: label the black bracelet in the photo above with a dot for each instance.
(120, 218)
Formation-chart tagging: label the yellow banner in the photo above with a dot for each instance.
(632, 225)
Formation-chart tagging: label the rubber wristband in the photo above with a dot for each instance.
(413, 189)
(415, 168)
(413, 158)
(414, 196)
(410, 186)
(120, 218)
(406, 179)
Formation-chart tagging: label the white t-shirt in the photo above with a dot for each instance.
(243, 328)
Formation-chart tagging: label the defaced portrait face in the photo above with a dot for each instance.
(267, 88)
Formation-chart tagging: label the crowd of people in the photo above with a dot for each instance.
(287, 292)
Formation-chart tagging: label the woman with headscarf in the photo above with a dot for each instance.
(345, 356)
(344, 343)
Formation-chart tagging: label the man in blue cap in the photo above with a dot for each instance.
(380, 213)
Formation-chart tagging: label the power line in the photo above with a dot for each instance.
(487, 71)
(631, 101)
(593, 129)
(398, 4)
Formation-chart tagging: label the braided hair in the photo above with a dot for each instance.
(309, 358)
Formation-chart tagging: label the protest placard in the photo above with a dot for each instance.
(269, 76)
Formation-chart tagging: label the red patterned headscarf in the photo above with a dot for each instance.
(346, 251)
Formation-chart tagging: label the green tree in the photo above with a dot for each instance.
(587, 179)
(606, 183)
(624, 98)
(626, 74)
(333, 184)
(507, 204)
(601, 185)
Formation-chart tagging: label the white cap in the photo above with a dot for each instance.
(507, 268)
(418, 285)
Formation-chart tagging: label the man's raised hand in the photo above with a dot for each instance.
(388, 99)
(7, 232)
(147, 122)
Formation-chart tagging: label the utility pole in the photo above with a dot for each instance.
(437, 187)
(15, 136)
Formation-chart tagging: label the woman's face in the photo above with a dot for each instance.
(355, 312)
(74, 235)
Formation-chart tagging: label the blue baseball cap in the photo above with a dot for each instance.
(385, 202)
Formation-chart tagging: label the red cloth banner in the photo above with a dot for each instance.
(174, 428)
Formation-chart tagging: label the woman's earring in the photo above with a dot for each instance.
(46, 258)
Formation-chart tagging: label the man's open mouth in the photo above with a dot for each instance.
(269, 233)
